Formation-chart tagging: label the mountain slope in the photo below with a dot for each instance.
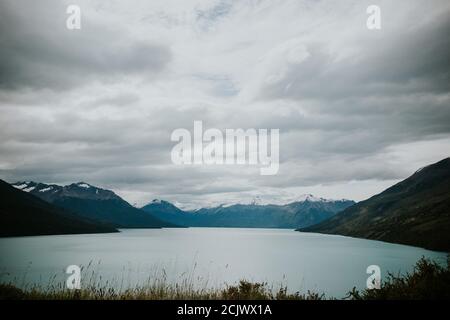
(166, 211)
(415, 211)
(93, 203)
(22, 214)
(308, 211)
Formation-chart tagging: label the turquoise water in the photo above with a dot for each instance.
(207, 257)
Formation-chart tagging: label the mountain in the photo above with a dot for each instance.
(415, 211)
(309, 210)
(163, 206)
(22, 214)
(166, 211)
(94, 203)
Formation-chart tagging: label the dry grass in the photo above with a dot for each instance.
(188, 286)
(427, 281)
(244, 290)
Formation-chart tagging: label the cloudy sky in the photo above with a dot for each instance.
(357, 109)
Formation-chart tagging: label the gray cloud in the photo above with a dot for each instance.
(412, 61)
(39, 52)
(357, 109)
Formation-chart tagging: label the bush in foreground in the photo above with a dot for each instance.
(428, 281)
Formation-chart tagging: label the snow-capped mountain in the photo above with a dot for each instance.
(51, 192)
(94, 203)
(305, 211)
(105, 206)
(262, 201)
(23, 214)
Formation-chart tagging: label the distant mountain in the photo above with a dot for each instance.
(166, 211)
(94, 203)
(309, 210)
(23, 214)
(415, 211)
(164, 207)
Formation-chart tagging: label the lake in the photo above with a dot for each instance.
(208, 257)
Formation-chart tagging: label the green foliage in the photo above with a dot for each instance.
(9, 292)
(429, 281)
(260, 291)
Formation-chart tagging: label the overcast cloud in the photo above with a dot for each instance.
(357, 109)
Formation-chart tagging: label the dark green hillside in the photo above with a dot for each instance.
(415, 211)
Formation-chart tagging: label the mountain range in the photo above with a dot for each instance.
(104, 206)
(305, 212)
(94, 203)
(415, 211)
(23, 214)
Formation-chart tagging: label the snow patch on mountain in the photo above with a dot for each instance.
(83, 185)
(310, 197)
(20, 186)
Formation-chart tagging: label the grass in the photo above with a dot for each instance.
(244, 290)
(427, 281)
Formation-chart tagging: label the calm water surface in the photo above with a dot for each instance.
(206, 257)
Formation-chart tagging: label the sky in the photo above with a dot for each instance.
(358, 110)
